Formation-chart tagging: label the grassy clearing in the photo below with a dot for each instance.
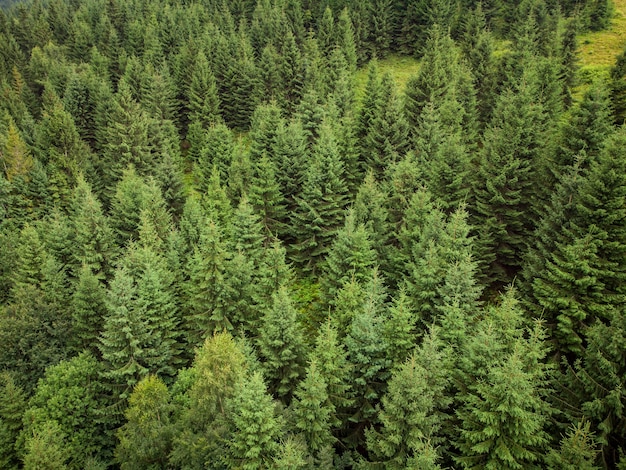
(401, 69)
(597, 51)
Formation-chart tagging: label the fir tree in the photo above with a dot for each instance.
(256, 430)
(203, 99)
(282, 347)
(321, 203)
(350, 257)
(12, 407)
(88, 310)
(503, 420)
(413, 410)
(313, 411)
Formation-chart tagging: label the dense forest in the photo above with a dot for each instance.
(219, 250)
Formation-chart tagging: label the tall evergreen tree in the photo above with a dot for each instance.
(413, 410)
(321, 203)
(282, 347)
(510, 162)
(12, 407)
(503, 420)
(256, 429)
(124, 140)
(203, 99)
(350, 257)
(313, 411)
(88, 310)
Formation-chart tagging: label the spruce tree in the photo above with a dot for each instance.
(12, 407)
(387, 138)
(253, 441)
(585, 132)
(282, 347)
(350, 257)
(618, 88)
(413, 410)
(125, 139)
(370, 210)
(503, 419)
(585, 268)
(443, 78)
(313, 411)
(319, 214)
(290, 157)
(203, 99)
(444, 158)
(125, 339)
(330, 357)
(505, 209)
(368, 354)
(88, 310)
(206, 278)
(577, 450)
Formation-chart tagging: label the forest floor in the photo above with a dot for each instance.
(597, 51)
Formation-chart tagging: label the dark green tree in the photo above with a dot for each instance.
(12, 407)
(350, 257)
(204, 102)
(387, 137)
(124, 140)
(509, 165)
(88, 310)
(413, 410)
(281, 346)
(618, 88)
(503, 419)
(313, 411)
(321, 203)
(256, 430)
(585, 132)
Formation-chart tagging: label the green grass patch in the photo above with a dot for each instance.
(400, 67)
(601, 48)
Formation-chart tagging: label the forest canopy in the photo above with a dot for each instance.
(219, 249)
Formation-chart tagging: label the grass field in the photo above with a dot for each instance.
(597, 51)
(401, 69)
